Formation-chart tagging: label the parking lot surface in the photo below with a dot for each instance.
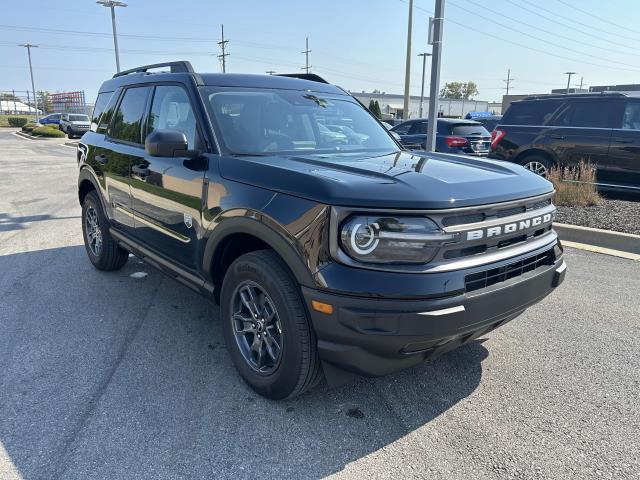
(107, 376)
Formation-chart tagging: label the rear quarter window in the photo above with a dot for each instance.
(534, 112)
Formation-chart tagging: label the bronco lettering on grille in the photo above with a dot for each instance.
(508, 227)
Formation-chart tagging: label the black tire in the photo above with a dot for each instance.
(109, 256)
(298, 366)
(70, 135)
(538, 164)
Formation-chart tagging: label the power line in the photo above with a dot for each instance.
(584, 12)
(521, 45)
(550, 32)
(536, 11)
(539, 39)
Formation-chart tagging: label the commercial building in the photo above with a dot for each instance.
(392, 105)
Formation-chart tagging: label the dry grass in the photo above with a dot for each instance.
(575, 186)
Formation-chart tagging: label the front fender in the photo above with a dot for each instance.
(254, 223)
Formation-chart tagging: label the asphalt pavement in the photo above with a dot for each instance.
(106, 376)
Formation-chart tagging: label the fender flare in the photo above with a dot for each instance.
(252, 225)
(87, 174)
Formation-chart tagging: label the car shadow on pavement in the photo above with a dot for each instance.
(9, 222)
(107, 376)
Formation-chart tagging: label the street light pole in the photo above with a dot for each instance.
(112, 4)
(424, 61)
(438, 25)
(29, 46)
(569, 78)
(407, 70)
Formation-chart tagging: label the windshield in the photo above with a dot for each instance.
(260, 121)
(78, 118)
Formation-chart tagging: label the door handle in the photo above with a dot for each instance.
(101, 159)
(558, 137)
(142, 172)
(623, 140)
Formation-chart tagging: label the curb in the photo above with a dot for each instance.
(624, 242)
(71, 144)
(30, 137)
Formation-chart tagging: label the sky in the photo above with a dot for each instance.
(357, 44)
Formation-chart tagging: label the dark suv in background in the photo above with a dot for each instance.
(602, 128)
(326, 256)
(465, 137)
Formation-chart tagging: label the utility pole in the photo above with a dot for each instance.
(581, 82)
(270, 72)
(306, 54)
(407, 70)
(424, 61)
(112, 4)
(29, 46)
(223, 56)
(569, 79)
(437, 26)
(508, 80)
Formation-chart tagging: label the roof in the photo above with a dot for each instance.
(565, 96)
(183, 72)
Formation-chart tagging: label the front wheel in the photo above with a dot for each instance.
(266, 327)
(102, 249)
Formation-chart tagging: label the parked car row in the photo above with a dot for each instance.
(541, 132)
(73, 124)
(452, 136)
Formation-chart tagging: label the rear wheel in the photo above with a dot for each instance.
(266, 327)
(102, 249)
(537, 164)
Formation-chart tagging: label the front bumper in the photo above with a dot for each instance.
(375, 336)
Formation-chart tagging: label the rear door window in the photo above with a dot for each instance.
(127, 121)
(586, 114)
(534, 112)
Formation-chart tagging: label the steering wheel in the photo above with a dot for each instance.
(277, 141)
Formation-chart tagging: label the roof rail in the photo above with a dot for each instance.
(574, 95)
(312, 77)
(181, 66)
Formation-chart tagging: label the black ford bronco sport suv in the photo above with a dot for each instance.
(326, 255)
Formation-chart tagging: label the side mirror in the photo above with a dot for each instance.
(168, 143)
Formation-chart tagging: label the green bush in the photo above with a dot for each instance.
(47, 132)
(28, 128)
(17, 121)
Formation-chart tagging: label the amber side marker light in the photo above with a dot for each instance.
(322, 307)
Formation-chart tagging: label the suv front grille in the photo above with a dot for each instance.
(486, 278)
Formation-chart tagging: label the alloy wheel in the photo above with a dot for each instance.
(536, 167)
(93, 231)
(256, 327)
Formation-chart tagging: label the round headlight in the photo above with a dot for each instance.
(363, 238)
(378, 239)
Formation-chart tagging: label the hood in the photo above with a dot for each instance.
(394, 180)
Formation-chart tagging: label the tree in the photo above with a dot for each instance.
(376, 111)
(372, 106)
(459, 90)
